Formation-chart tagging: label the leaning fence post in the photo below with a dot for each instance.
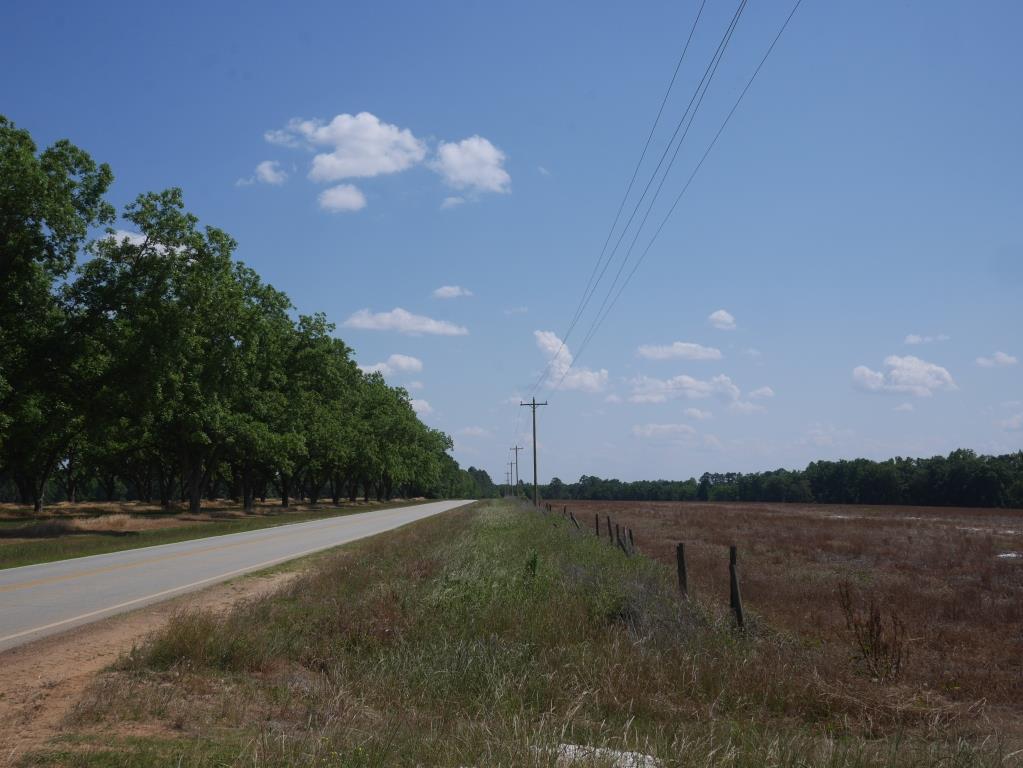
(733, 574)
(571, 516)
(683, 575)
(632, 541)
(596, 523)
(610, 535)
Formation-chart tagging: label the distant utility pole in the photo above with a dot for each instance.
(516, 449)
(510, 475)
(533, 405)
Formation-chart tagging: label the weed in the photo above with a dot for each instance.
(880, 639)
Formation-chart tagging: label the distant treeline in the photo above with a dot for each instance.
(961, 479)
(158, 367)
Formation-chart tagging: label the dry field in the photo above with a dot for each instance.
(953, 578)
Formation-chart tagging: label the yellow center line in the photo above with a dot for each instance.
(149, 561)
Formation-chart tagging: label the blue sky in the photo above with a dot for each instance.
(858, 222)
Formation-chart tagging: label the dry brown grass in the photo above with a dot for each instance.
(491, 636)
(937, 570)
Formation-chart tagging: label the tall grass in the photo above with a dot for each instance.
(494, 636)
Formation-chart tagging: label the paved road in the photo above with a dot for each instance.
(38, 600)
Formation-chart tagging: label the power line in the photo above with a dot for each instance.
(600, 319)
(701, 93)
(621, 206)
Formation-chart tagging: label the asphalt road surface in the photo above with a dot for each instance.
(39, 600)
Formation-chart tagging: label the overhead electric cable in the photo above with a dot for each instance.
(621, 206)
(700, 88)
(689, 181)
(705, 83)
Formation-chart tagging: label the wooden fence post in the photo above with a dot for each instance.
(571, 516)
(733, 574)
(683, 575)
(610, 535)
(632, 541)
(596, 523)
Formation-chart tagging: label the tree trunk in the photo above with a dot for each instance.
(109, 482)
(285, 490)
(195, 483)
(25, 488)
(353, 489)
(164, 484)
(247, 497)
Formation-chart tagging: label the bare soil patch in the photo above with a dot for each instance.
(42, 681)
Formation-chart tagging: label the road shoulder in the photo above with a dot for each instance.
(43, 680)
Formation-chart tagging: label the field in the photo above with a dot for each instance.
(496, 636)
(76, 530)
(947, 583)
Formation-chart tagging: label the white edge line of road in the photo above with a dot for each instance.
(221, 536)
(194, 584)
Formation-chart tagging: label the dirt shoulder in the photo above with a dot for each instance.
(42, 680)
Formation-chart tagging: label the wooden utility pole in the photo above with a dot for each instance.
(536, 494)
(516, 449)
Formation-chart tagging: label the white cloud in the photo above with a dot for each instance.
(343, 197)
(473, 164)
(451, 292)
(663, 430)
(613, 398)
(270, 172)
(267, 172)
(722, 319)
(907, 374)
(679, 350)
(646, 389)
(822, 435)
(696, 413)
(402, 321)
(395, 364)
(561, 374)
(417, 385)
(753, 353)
(745, 406)
(543, 171)
(915, 338)
(473, 432)
(1013, 423)
(904, 408)
(359, 146)
(452, 202)
(761, 393)
(713, 442)
(421, 407)
(997, 360)
(516, 310)
(133, 238)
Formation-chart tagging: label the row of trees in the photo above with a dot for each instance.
(160, 367)
(961, 479)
